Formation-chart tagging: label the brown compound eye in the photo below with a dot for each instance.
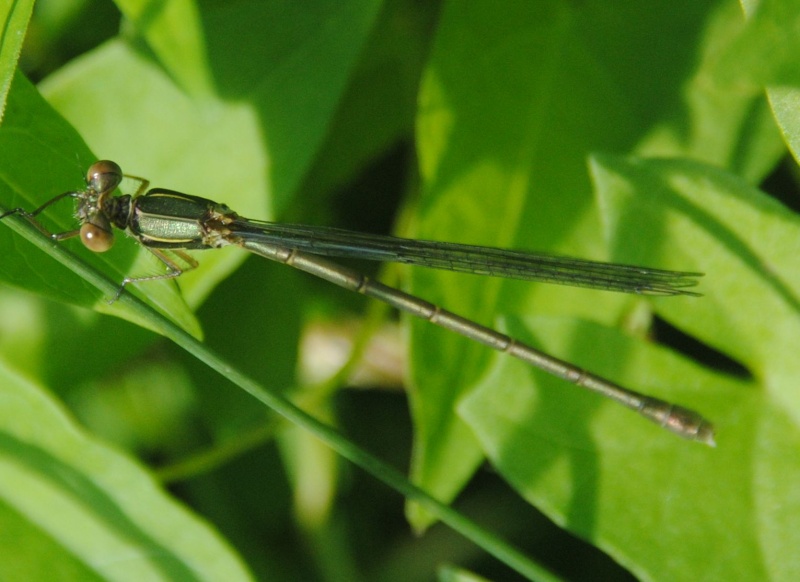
(96, 238)
(103, 176)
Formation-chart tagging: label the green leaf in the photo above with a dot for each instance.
(713, 222)
(379, 107)
(174, 31)
(95, 512)
(14, 16)
(35, 171)
(657, 504)
(785, 102)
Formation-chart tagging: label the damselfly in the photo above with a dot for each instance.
(165, 222)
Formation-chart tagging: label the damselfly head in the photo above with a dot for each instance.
(96, 229)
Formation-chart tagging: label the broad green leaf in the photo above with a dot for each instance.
(40, 155)
(743, 240)
(702, 119)
(768, 46)
(513, 102)
(785, 102)
(379, 107)
(174, 31)
(659, 505)
(732, 501)
(95, 513)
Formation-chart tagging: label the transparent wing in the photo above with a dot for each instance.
(514, 264)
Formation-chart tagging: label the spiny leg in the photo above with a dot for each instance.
(173, 269)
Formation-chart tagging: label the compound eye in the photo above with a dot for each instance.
(96, 238)
(103, 176)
